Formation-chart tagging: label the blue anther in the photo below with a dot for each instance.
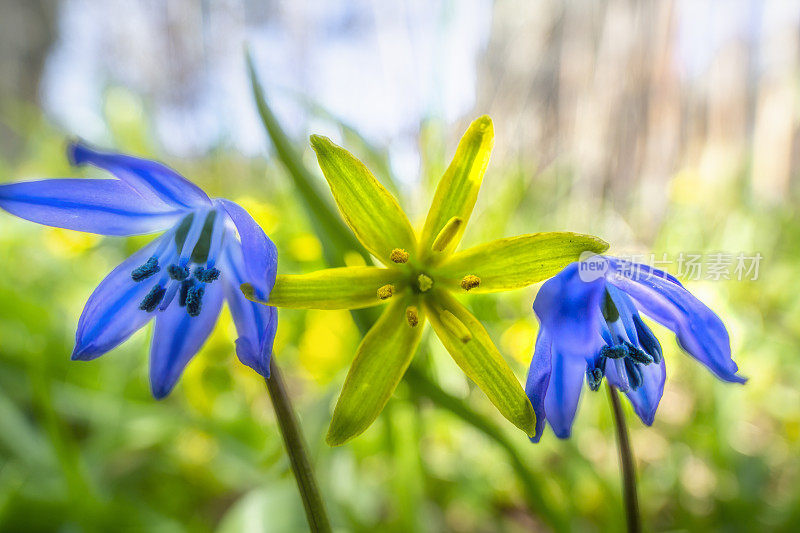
(634, 374)
(206, 275)
(638, 356)
(617, 351)
(177, 272)
(149, 268)
(594, 377)
(153, 298)
(184, 291)
(194, 299)
(646, 338)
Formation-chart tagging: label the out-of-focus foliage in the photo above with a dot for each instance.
(84, 446)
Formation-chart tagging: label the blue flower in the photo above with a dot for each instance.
(208, 248)
(590, 326)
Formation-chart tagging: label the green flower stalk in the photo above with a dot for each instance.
(418, 280)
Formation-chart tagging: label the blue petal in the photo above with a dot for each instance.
(260, 255)
(569, 310)
(538, 380)
(106, 207)
(700, 332)
(638, 333)
(255, 323)
(645, 399)
(632, 270)
(155, 182)
(178, 337)
(563, 392)
(112, 313)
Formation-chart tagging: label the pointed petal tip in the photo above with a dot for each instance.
(319, 141)
(88, 352)
(648, 419)
(160, 394)
(250, 293)
(483, 123)
(250, 357)
(334, 439)
(161, 390)
(563, 434)
(82, 353)
(734, 378)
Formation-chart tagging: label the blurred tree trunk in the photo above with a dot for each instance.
(27, 29)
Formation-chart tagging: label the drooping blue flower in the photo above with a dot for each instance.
(590, 327)
(209, 247)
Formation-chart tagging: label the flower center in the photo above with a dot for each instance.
(620, 352)
(424, 283)
(197, 242)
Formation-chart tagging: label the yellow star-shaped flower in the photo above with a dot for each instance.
(421, 273)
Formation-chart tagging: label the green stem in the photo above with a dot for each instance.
(627, 467)
(296, 449)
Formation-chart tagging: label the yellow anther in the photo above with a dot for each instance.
(456, 327)
(424, 282)
(399, 256)
(470, 281)
(446, 234)
(385, 292)
(412, 315)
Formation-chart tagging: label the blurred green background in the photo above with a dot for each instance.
(667, 127)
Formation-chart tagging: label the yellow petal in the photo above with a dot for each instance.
(381, 360)
(368, 208)
(516, 262)
(458, 189)
(333, 288)
(478, 357)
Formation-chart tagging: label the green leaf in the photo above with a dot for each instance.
(368, 208)
(458, 189)
(478, 357)
(332, 288)
(517, 262)
(381, 360)
(336, 239)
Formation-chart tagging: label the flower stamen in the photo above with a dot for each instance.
(177, 272)
(412, 315)
(153, 298)
(470, 281)
(149, 268)
(614, 352)
(184, 291)
(385, 292)
(638, 356)
(206, 275)
(399, 255)
(594, 377)
(194, 299)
